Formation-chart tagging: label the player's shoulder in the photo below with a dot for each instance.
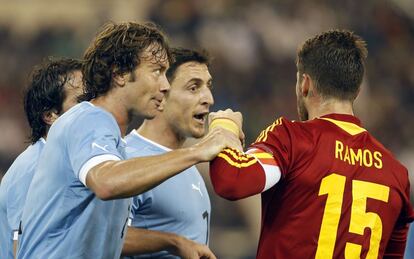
(87, 113)
(283, 126)
(137, 145)
(24, 164)
(388, 156)
(86, 116)
(288, 124)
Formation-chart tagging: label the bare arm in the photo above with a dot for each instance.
(143, 241)
(121, 179)
(14, 248)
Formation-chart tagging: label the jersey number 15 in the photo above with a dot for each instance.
(333, 186)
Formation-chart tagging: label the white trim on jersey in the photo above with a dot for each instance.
(150, 141)
(16, 235)
(273, 175)
(272, 172)
(91, 104)
(92, 163)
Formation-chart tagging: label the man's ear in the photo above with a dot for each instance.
(120, 79)
(308, 87)
(305, 85)
(50, 116)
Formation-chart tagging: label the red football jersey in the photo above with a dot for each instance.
(341, 193)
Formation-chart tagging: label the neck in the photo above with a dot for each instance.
(331, 106)
(159, 131)
(114, 105)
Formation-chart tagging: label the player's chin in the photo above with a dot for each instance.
(150, 114)
(198, 132)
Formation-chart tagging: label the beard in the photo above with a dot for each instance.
(302, 111)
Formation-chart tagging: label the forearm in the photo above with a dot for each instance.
(14, 248)
(143, 241)
(127, 178)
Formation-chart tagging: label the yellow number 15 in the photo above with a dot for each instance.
(333, 186)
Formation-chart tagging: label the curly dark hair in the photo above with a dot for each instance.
(45, 92)
(182, 55)
(116, 50)
(335, 60)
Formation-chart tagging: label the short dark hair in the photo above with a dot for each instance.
(116, 50)
(45, 92)
(182, 55)
(335, 61)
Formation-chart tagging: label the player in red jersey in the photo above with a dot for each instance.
(329, 188)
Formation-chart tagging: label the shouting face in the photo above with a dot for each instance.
(188, 102)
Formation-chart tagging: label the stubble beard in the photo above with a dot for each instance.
(302, 111)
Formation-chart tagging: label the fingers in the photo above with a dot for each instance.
(228, 114)
(232, 141)
(205, 252)
(226, 138)
(242, 138)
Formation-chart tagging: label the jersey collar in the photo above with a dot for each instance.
(346, 122)
(343, 117)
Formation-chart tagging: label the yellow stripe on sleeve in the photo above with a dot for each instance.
(237, 155)
(237, 164)
(262, 155)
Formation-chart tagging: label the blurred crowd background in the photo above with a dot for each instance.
(254, 45)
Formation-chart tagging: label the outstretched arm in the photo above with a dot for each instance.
(143, 241)
(121, 179)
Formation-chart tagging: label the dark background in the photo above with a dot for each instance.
(254, 45)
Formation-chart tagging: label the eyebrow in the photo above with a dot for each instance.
(197, 79)
(163, 66)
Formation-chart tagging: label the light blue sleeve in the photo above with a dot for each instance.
(17, 189)
(409, 249)
(15, 205)
(92, 135)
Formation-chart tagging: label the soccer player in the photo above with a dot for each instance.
(53, 89)
(329, 188)
(78, 206)
(177, 211)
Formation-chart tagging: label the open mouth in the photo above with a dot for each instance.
(201, 117)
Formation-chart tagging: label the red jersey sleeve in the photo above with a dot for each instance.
(237, 175)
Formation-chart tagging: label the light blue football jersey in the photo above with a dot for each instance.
(13, 191)
(179, 205)
(62, 218)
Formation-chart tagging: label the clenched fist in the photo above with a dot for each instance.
(229, 120)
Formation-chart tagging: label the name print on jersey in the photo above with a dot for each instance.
(363, 157)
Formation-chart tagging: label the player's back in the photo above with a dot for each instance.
(340, 195)
(13, 191)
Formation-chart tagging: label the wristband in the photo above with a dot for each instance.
(225, 123)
